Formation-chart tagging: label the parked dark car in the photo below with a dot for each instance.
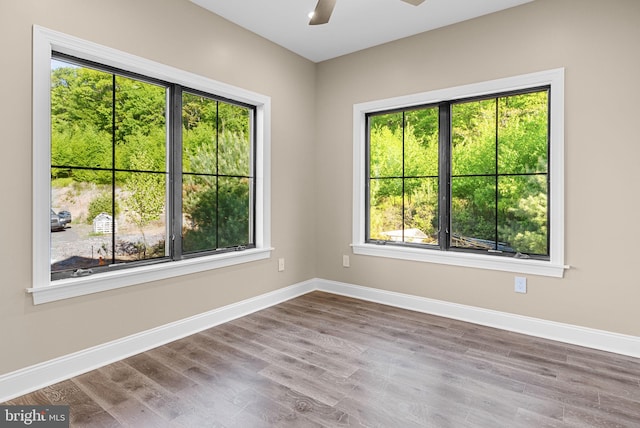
(65, 217)
(56, 224)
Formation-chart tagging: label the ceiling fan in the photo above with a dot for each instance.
(323, 10)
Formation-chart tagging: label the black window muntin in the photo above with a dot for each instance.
(174, 168)
(445, 174)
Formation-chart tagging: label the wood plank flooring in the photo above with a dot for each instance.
(323, 360)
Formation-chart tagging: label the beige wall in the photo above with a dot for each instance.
(597, 43)
(178, 33)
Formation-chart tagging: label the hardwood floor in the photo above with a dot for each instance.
(323, 360)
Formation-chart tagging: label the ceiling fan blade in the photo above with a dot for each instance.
(322, 13)
(414, 2)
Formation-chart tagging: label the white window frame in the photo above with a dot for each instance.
(44, 290)
(555, 266)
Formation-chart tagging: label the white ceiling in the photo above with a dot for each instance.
(354, 25)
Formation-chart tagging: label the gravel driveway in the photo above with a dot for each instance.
(78, 242)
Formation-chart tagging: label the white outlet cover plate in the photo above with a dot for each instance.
(345, 261)
(521, 284)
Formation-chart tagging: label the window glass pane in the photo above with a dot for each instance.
(199, 134)
(200, 220)
(421, 210)
(233, 211)
(81, 117)
(81, 222)
(522, 213)
(140, 119)
(95, 114)
(473, 137)
(523, 133)
(473, 212)
(141, 198)
(421, 143)
(217, 174)
(234, 143)
(200, 167)
(385, 213)
(385, 145)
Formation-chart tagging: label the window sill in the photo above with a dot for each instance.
(73, 287)
(480, 261)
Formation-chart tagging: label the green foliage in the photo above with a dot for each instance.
(62, 182)
(82, 117)
(525, 223)
(517, 145)
(81, 97)
(499, 166)
(198, 110)
(210, 127)
(395, 152)
(139, 108)
(199, 144)
(152, 144)
(101, 204)
(81, 147)
(473, 207)
(217, 207)
(102, 121)
(219, 217)
(146, 192)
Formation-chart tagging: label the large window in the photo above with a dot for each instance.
(114, 148)
(467, 173)
(217, 175)
(487, 159)
(152, 172)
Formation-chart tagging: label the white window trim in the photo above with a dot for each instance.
(43, 289)
(555, 266)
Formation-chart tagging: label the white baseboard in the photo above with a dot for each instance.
(567, 333)
(49, 372)
(38, 376)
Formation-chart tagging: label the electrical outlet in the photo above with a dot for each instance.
(521, 284)
(281, 265)
(345, 261)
